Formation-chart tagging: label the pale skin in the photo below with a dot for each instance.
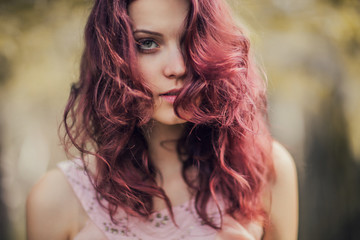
(53, 210)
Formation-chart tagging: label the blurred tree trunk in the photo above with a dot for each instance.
(330, 203)
(4, 220)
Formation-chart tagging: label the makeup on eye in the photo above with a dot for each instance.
(147, 45)
(147, 41)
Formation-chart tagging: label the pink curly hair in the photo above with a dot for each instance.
(226, 138)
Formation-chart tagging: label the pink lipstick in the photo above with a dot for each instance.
(169, 99)
(170, 96)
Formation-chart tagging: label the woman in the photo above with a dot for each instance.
(169, 117)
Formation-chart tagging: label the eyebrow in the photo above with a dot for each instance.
(147, 32)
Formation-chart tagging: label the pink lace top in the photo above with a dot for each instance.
(159, 226)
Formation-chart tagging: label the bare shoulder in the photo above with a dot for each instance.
(283, 162)
(283, 210)
(50, 201)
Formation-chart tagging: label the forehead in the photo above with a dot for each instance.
(164, 16)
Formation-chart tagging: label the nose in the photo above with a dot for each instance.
(174, 67)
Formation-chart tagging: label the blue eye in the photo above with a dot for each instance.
(146, 45)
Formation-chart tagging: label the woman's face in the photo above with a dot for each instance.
(158, 26)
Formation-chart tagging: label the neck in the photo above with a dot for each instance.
(162, 141)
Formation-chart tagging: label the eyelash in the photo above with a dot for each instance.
(139, 44)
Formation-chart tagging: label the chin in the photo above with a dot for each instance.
(167, 118)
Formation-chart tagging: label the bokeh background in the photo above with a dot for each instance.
(310, 50)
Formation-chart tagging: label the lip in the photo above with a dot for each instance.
(170, 96)
(171, 92)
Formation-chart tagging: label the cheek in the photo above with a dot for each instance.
(150, 69)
